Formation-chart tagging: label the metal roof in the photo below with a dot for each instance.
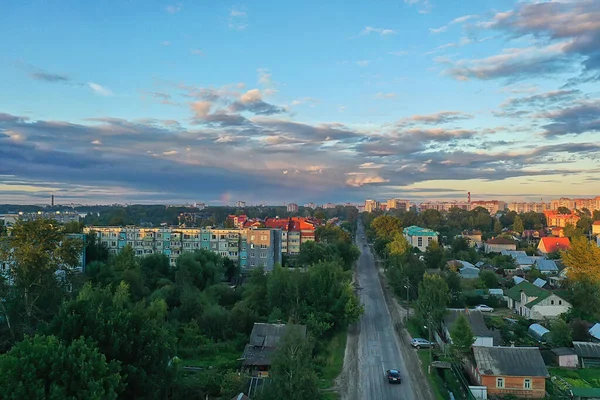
(564, 351)
(539, 282)
(510, 361)
(595, 331)
(476, 321)
(587, 349)
(537, 331)
(546, 265)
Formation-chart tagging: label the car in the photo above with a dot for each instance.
(484, 308)
(419, 343)
(393, 376)
(363, 238)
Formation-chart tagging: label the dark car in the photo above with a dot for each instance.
(393, 376)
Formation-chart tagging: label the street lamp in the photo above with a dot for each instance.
(428, 327)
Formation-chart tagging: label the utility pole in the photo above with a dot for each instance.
(407, 298)
(430, 344)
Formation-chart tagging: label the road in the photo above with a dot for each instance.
(378, 347)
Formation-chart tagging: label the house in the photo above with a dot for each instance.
(472, 237)
(538, 332)
(420, 237)
(496, 245)
(546, 266)
(521, 258)
(553, 244)
(465, 269)
(565, 357)
(533, 302)
(539, 282)
(483, 335)
(588, 353)
(596, 228)
(594, 332)
(264, 341)
(514, 371)
(554, 218)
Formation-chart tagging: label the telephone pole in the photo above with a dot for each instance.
(407, 298)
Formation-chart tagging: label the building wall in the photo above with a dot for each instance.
(421, 242)
(497, 248)
(550, 307)
(596, 229)
(514, 385)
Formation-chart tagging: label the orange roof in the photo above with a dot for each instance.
(552, 244)
(596, 223)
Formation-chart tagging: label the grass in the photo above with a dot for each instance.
(414, 329)
(219, 361)
(437, 384)
(589, 377)
(332, 360)
(330, 396)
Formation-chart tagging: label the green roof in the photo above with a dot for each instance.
(418, 231)
(541, 297)
(586, 392)
(529, 288)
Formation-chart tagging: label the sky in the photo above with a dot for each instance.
(141, 101)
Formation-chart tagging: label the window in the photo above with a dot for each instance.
(419, 241)
(500, 383)
(204, 238)
(429, 240)
(551, 302)
(252, 263)
(252, 254)
(263, 255)
(263, 246)
(251, 245)
(527, 383)
(214, 237)
(263, 237)
(560, 302)
(251, 237)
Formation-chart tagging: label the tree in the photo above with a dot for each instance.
(94, 249)
(434, 256)
(201, 268)
(579, 329)
(498, 226)
(518, 225)
(489, 279)
(385, 227)
(42, 367)
(398, 246)
(331, 234)
(136, 334)
(293, 372)
(233, 383)
(454, 283)
(585, 299)
(312, 252)
(36, 252)
(564, 210)
(232, 269)
(462, 336)
(433, 298)
(560, 333)
(583, 260)
(572, 231)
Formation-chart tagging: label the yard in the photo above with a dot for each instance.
(581, 378)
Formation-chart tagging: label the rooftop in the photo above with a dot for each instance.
(587, 349)
(546, 265)
(264, 341)
(525, 286)
(476, 321)
(501, 240)
(510, 361)
(418, 231)
(552, 244)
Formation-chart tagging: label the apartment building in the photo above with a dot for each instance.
(292, 208)
(493, 206)
(521, 208)
(237, 220)
(554, 219)
(443, 205)
(61, 217)
(235, 244)
(371, 205)
(590, 204)
(397, 204)
(294, 232)
(420, 237)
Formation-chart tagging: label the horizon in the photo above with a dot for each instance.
(419, 99)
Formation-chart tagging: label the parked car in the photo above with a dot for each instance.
(393, 376)
(419, 343)
(484, 308)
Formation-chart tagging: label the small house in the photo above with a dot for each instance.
(546, 266)
(553, 244)
(565, 357)
(538, 332)
(474, 237)
(496, 245)
(588, 353)
(264, 341)
(536, 303)
(484, 336)
(516, 371)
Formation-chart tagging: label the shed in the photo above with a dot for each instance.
(538, 332)
(468, 272)
(581, 393)
(517, 279)
(565, 357)
(496, 292)
(595, 332)
(588, 353)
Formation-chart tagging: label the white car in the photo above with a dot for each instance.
(484, 308)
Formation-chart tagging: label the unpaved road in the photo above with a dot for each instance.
(374, 346)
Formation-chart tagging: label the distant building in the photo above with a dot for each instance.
(596, 228)
(444, 205)
(562, 202)
(62, 217)
(328, 205)
(521, 208)
(474, 238)
(294, 232)
(420, 237)
(591, 204)
(497, 245)
(554, 219)
(237, 221)
(397, 204)
(493, 206)
(371, 205)
(310, 205)
(292, 208)
(241, 204)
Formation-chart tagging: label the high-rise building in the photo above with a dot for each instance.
(443, 205)
(292, 208)
(371, 205)
(397, 204)
(520, 208)
(493, 206)
(294, 232)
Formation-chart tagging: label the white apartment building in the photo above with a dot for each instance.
(398, 204)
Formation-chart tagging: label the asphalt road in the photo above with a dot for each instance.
(378, 344)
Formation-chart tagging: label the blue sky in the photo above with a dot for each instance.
(141, 101)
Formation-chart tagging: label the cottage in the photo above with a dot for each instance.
(483, 335)
(533, 302)
(588, 353)
(553, 244)
(565, 357)
(472, 237)
(419, 237)
(496, 245)
(516, 371)
(264, 341)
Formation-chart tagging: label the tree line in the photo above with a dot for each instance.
(126, 327)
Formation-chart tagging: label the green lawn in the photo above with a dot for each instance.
(220, 361)
(583, 378)
(332, 360)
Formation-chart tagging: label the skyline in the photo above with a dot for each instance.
(125, 102)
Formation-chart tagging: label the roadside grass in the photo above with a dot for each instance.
(331, 361)
(437, 384)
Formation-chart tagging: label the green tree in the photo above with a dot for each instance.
(454, 283)
(234, 383)
(201, 268)
(293, 371)
(462, 336)
(386, 226)
(312, 252)
(42, 367)
(434, 256)
(564, 210)
(561, 334)
(331, 234)
(320, 215)
(489, 279)
(94, 249)
(73, 227)
(136, 334)
(398, 246)
(518, 224)
(498, 226)
(583, 260)
(36, 252)
(571, 231)
(433, 299)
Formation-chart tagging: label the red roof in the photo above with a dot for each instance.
(596, 223)
(290, 224)
(552, 244)
(501, 240)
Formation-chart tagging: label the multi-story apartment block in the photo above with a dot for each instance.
(61, 217)
(292, 208)
(554, 219)
(444, 205)
(590, 204)
(172, 242)
(397, 204)
(520, 208)
(493, 206)
(294, 232)
(241, 204)
(328, 205)
(420, 237)
(371, 205)
(310, 205)
(562, 202)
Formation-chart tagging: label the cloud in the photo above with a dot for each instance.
(541, 100)
(170, 153)
(99, 89)
(363, 63)
(463, 19)
(264, 77)
(438, 30)
(398, 53)
(238, 19)
(380, 31)
(173, 8)
(40, 75)
(312, 102)
(442, 117)
(197, 52)
(370, 165)
(382, 95)
(165, 43)
(425, 5)
(358, 180)
(582, 117)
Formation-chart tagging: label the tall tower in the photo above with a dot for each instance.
(52, 201)
(469, 197)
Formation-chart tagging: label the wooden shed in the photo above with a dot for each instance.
(565, 357)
